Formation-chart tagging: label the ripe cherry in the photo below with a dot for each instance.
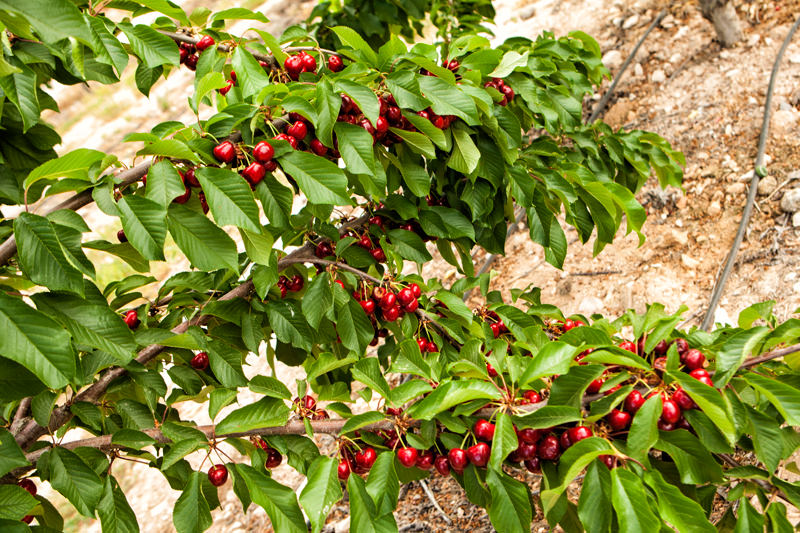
(661, 348)
(289, 139)
(199, 361)
(228, 86)
(528, 435)
(254, 173)
(218, 475)
(318, 148)
(595, 386)
(405, 296)
(706, 380)
(224, 152)
(458, 459)
(694, 359)
(28, 518)
(368, 306)
(699, 373)
(619, 420)
(344, 470)
(378, 254)
(579, 433)
(442, 465)
(309, 63)
(682, 345)
(321, 414)
(394, 114)
(484, 430)
(28, 485)
(392, 314)
(425, 460)
(381, 125)
(565, 440)
(297, 283)
(609, 460)
(670, 411)
(628, 345)
(270, 166)
(432, 348)
(549, 448)
(323, 250)
(423, 344)
(121, 237)
(293, 66)
(415, 290)
(394, 411)
(683, 400)
(490, 369)
(568, 325)
(274, 458)
(665, 426)
(190, 178)
(191, 61)
(309, 402)
(364, 242)
(335, 63)
(479, 454)
(132, 319)
(495, 327)
(366, 457)
(411, 306)
(298, 130)
(634, 401)
(532, 396)
(183, 198)
(532, 465)
(367, 125)
(388, 300)
(263, 152)
(407, 456)
(206, 41)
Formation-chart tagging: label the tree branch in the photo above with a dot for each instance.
(769, 356)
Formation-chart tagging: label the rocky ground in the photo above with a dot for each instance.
(707, 101)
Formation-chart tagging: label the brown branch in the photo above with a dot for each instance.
(769, 356)
(21, 414)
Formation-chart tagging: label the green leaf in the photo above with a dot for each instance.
(124, 251)
(11, 455)
(750, 520)
(446, 222)
(448, 99)
(547, 417)
(510, 61)
(383, 484)
(320, 180)
(785, 398)
(318, 300)
(145, 225)
(15, 502)
(226, 363)
(265, 413)
(209, 82)
(352, 39)
(191, 513)
(116, 515)
(258, 246)
(238, 13)
(36, 342)
(53, 20)
(322, 490)
(73, 165)
(41, 256)
(766, 438)
(20, 89)
(153, 48)
(363, 513)
(352, 323)
(644, 428)
(510, 510)
(450, 394)
(269, 386)
(206, 245)
(230, 198)
(735, 350)
(168, 8)
(75, 480)
(572, 462)
(594, 506)
(368, 372)
(683, 513)
(278, 501)
(363, 96)
(109, 50)
(164, 184)
(253, 77)
(553, 358)
(710, 402)
(504, 441)
(171, 148)
(356, 147)
(693, 460)
(361, 420)
(289, 325)
(417, 141)
(327, 105)
(630, 501)
(465, 156)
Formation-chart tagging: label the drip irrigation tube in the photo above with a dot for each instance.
(719, 286)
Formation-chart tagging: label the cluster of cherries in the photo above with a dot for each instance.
(286, 285)
(296, 64)
(189, 53)
(306, 407)
(505, 90)
(263, 162)
(355, 459)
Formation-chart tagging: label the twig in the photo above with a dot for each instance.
(598, 273)
(781, 186)
(769, 356)
(433, 501)
(21, 414)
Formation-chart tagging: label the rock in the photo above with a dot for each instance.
(767, 186)
(342, 526)
(527, 12)
(790, 202)
(679, 238)
(796, 220)
(689, 262)
(746, 177)
(613, 59)
(590, 305)
(659, 76)
(630, 22)
(638, 71)
(795, 58)
(784, 122)
(714, 209)
(735, 188)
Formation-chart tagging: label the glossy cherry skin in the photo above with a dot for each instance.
(694, 359)
(619, 420)
(323, 250)
(595, 386)
(528, 435)
(425, 460)
(479, 454)
(682, 346)
(274, 458)
(132, 319)
(407, 456)
(699, 372)
(532, 465)
(484, 430)
(670, 412)
(344, 470)
(298, 130)
(524, 452)
(442, 465)
(634, 401)
(224, 152)
(318, 148)
(254, 173)
(405, 296)
(391, 314)
(368, 306)
(263, 152)
(205, 42)
(388, 300)
(683, 400)
(579, 433)
(309, 63)
(293, 66)
(423, 345)
(378, 254)
(366, 457)
(628, 345)
(549, 448)
(335, 63)
(218, 475)
(28, 485)
(199, 361)
(415, 290)
(532, 396)
(458, 458)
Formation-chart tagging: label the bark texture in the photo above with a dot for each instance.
(723, 15)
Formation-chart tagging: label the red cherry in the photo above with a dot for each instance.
(440, 122)
(683, 400)
(568, 325)
(347, 104)
(442, 465)
(296, 284)
(343, 470)
(28, 518)
(293, 66)
(263, 152)
(254, 173)
(634, 401)
(366, 457)
(670, 412)
(628, 345)
(318, 148)
(508, 92)
(425, 460)
(391, 314)
(706, 380)
(190, 178)
(378, 254)
(381, 125)
(619, 420)
(595, 386)
(199, 361)
(183, 198)
(411, 306)
(233, 76)
(28, 485)
(184, 53)
(367, 125)
(394, 411)
(132, 319)
(322, 414)
(532, 396)
(661, 348)
(339, 283)
(388, 300)
(699, 373)
(484, 430)
(394, 114)
(490, 369)
(458, 459)
(218, 475)
(121, 237)
(191, 61)
(565, 440)
(203, 202)
(579, 433)
(288, 138)
(368, 306)
(682, 345)
(228, 86)
(495, 327)
(609, 460)
(225, 152)
(364, 242)
(274, 458)
(533, 466)
(309, 402)
(549, 449)
(309, 63)
(270, 166)
(694, 359)
(298, 130)
(415, 290)
(405, 296)
(335, 63)
(423, 345)
(323, 250)
(478, 454)
(665, 426)
(407, 456)
(528, 435)
(205, 42)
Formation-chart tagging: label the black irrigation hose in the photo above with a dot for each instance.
(601, 106)
(751, 196)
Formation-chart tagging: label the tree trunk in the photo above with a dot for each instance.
(722, 14)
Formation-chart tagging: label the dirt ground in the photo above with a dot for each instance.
(708, 102)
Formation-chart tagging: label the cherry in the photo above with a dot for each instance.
(394, 114)
(532, 396)
(432, 348)
(233, 76)
(694, 359)
(670, 412)
(478, 454)
(132, 319)
(579, 433)
(298, 130)
(423, 344)
(335, 63)
(205, 42)
(628, 345)
(407, 456)
(665, 426)
(442, 465)
(394, 411)
(368, 306)
(411, 306)
(309, 402)
(28, 518)
(323, 250)
(309, 63)
(339, 283)
(706, 380)
(484, 430)
(28, 485)
(191, 61)
(270, 166)
(425, 460)
(378, 255)
(595, 386)
(318, 148)
(682, 345)
(199, 361)
(364, 242)
(224, 152)
(367, 125)
(532, 465)
(634, 401)
(490, 369)
(568, 325)
(344, 470)
(183, 198)
(366, 457)
(661, 348)
(263, 152)
(254, 173)
(405, 296)
(508, 92)
(190, 178)
(348, 105)
(228, 86)
(440, 122)
(293, 66)
(549, 449)
(297, 283)
(218, 475)
(453, 65)
(458, 459)
(683, 400)
(121, 237)
(415, 290)
(619, 420)
(684, 424)
(391, 314)
(565, 440)
(495, 327)
(322, 414)
(274, 458)
(381, 125)
(389, 299)
(289, 139)
(699, 373)
(528, 435)
(424, 114)
(609, 460)
(184, 53)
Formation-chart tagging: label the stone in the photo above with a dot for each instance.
(714, 209)
(796, 220)
(638, 71)
(767, 186)
(735, 188)
(784, 122)
(747, 177)
(527, 12)
(613, 59)
(630, 22)
(590, 305)
(689, 262)
(790, 202)
(658, 76)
